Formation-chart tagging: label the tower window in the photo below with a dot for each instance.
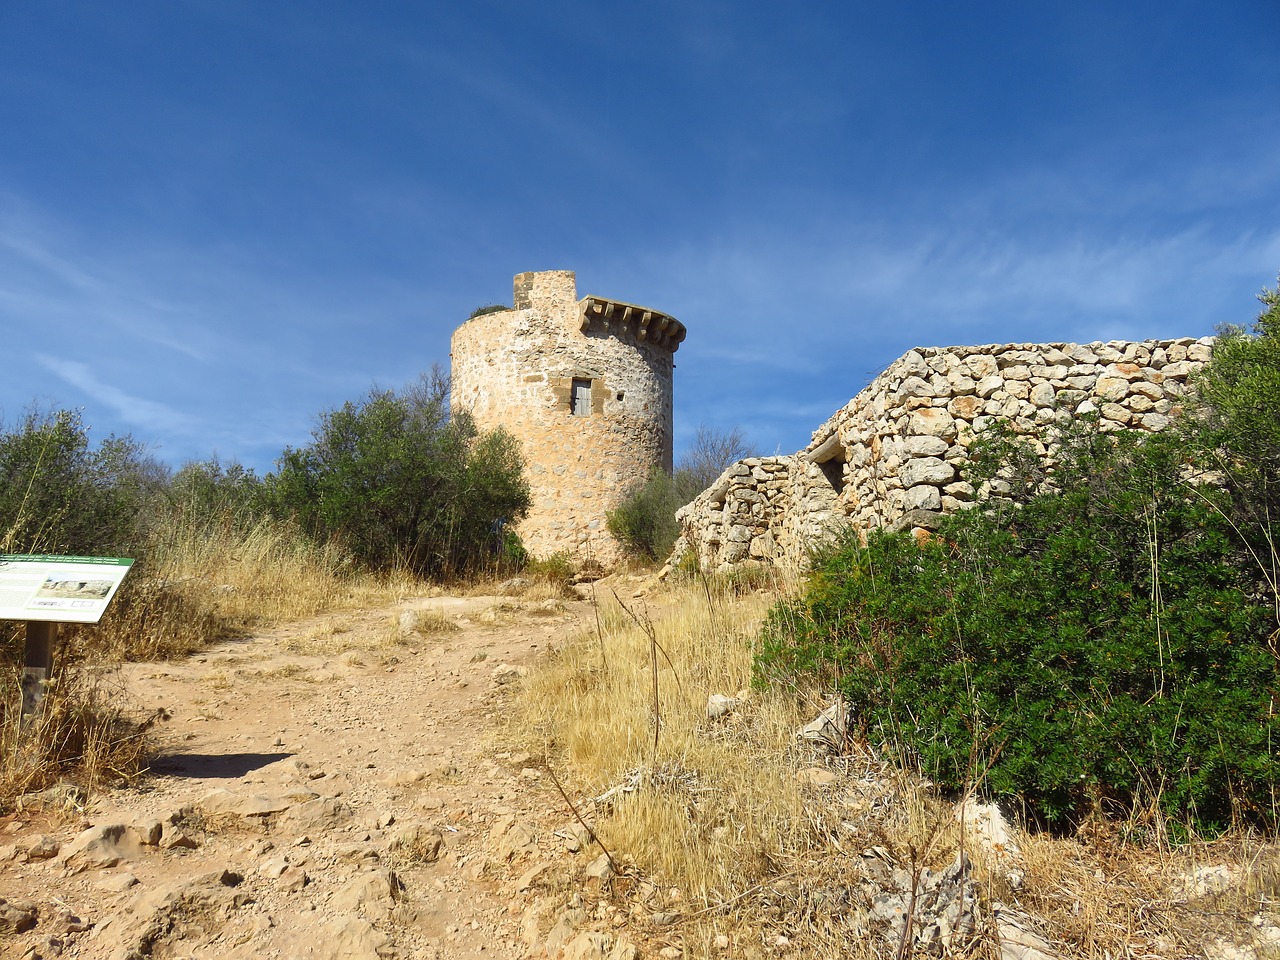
(580, 397)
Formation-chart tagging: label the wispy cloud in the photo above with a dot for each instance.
(45, 280)
(140, 412)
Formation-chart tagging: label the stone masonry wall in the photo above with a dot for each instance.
(894, 455)
(515, 369)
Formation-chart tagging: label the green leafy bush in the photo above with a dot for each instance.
(645, 522)
(401, 483)
(1235, 427)
(216, 491)
(1097, 647)
(59, 493)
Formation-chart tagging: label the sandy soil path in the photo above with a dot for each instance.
(322, 791)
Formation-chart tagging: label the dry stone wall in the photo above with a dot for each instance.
(895, 455)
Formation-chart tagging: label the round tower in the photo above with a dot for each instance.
(585, 386)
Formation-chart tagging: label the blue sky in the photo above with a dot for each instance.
(219, 218)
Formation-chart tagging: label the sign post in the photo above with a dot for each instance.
(47, 590)
(41, 637)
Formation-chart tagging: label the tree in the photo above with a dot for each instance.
(1238, 419)
(713, 452)
(401, 483)
(216, 490)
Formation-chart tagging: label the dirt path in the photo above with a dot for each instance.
(323, 790)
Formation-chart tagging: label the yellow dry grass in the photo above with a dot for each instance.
(84, 732)
(713, 824)
(707, 806)
(203, 581)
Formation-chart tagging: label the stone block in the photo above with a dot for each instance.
(933, 422)
(1116, 413)
(966, 407)
(1112, 388)
(1042, 395)
(924, 446)
(927, 470)
(923, 497)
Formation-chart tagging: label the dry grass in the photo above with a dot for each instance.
(203, 582)
(713, 805)
(1107, 898)
(408, 626)
(82, 733)
(714, 824)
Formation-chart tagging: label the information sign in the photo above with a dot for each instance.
(58, 589)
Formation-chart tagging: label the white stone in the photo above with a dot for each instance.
(988, 386)
(927, 470)
(1042, 395)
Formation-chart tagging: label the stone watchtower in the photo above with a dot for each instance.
(585, 386)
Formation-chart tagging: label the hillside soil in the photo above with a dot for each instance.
(332, 788)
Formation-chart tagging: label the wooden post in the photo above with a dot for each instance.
(39, 664)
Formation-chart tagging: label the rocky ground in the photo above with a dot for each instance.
(346, 788)
(335, 788)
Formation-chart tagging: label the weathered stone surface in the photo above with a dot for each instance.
(194, 908)
(42, 848)
(372, 894)
(719, 705)
(523, 369)
(323, 813)
(902, 444)
(253, 805)
(17, 916)
(348, 937)
(100, 847)
(419, 841)
(927, 470)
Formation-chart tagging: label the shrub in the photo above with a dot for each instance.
(1236, 429)
(61, 494)
(645, 522)
(402, 484)
(1099, 647)
(217, 491)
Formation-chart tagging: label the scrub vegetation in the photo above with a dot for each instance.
(391, 490)
(1100, 640)
(645, 522)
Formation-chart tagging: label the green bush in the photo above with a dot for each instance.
(61, 494)
(402, 484)
(1236, 428)
(217, 492)
(1097, 647)
(645, 522)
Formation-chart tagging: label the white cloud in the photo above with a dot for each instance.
(134, 410)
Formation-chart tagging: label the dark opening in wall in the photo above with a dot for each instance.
(830, 458)
(580, 397)
(833, 470)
